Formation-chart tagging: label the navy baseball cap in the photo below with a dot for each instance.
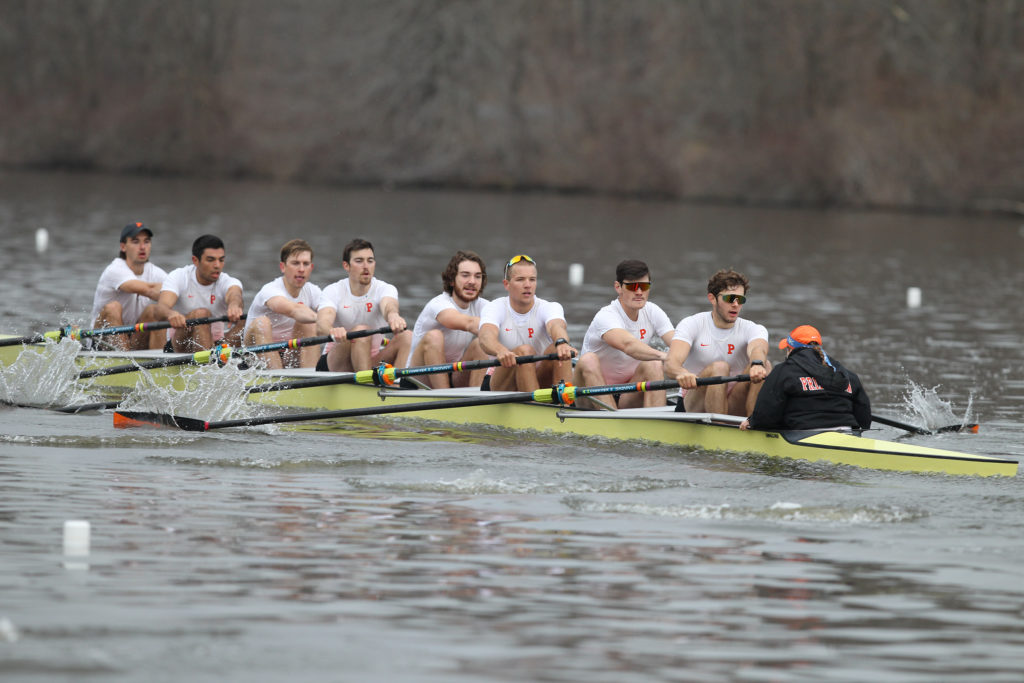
(133, 229)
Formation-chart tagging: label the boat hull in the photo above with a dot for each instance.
(659, 425)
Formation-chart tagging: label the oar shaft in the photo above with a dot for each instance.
(517, 397)
(656, 385)
(197, 358)
(900, 425)
(145, 327)
(309, 341)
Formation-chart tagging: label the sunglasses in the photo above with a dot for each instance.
(738, 298)
(518, 258)
(636, 286)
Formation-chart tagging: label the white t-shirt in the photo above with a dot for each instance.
(709, 343)
(351, 310)
(516, 329)
(192, 295)
(455, 341)
(618, 366)
(115, 275)
(281, 325)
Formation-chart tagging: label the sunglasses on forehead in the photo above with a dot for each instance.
(729, 298)
(518, 258)
(636, 286)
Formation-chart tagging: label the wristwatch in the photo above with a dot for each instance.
(561, 340)
(757, 362)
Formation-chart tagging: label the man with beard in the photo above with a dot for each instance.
(128, 290)
(719, 343)
(523, 324)
(617, 347)
(361, 302)
(285, 308)
(446, 329)
(202, 290)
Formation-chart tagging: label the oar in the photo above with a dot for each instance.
(57, 335)
(222, 353)
(564, 395)
(972, 428)
(386, 376)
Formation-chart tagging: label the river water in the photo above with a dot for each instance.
(398, 551)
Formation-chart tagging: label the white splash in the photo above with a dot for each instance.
(43, 376)
(926, 406)
(210, 392)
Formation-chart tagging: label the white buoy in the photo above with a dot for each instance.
(576, 274)
(76, 537)
(913, 297)
(42, 239)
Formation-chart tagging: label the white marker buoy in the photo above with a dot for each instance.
(576, 274)
(913, 297)
(76, 537)
(42, 239)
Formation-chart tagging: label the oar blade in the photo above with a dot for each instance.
(129, 419)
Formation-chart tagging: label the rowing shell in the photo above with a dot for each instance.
(659, 425)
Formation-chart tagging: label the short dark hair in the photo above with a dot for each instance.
(357, 244)
(726, 278)
(631, 269)
(293, 247)
(204, 242)
(448, 276)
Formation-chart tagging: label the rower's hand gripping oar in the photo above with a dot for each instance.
(221, 354)
(78, 335)
(563, 394)
(913, 429)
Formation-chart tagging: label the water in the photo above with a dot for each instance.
(409, 551)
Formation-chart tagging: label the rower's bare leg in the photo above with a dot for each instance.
(339, 358)
(647, 371)
(154, 340)
(472, 378)
(529, 375)
(588, 374)
(360, 352)
(194, 338)
(709, 399)
(260, 332)
(111, 316)
(401, 343)
(307, 356)
(430, 351)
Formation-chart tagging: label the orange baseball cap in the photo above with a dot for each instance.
(800, 337)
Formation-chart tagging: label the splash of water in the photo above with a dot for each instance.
(209, 392)
(926, 406)
(43, 376)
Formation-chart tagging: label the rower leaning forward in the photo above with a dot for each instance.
(523, 324)
(617, 346)
(361, 302)
(285, 308)
(447, 327)
(202, 290)
(128, 290)
(719, 342)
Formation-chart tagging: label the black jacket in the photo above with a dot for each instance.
(802, 393)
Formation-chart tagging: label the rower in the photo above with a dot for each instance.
(522, 324)
(128, 290)
(447, 327)
(361, 302)
(285, 308)
(202, 290)
(617, 346)
(809, 390)
(716, 343)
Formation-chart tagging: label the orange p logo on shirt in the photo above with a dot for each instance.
(530, 331)
(643, 333)
(732, 347)
(369, 306)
